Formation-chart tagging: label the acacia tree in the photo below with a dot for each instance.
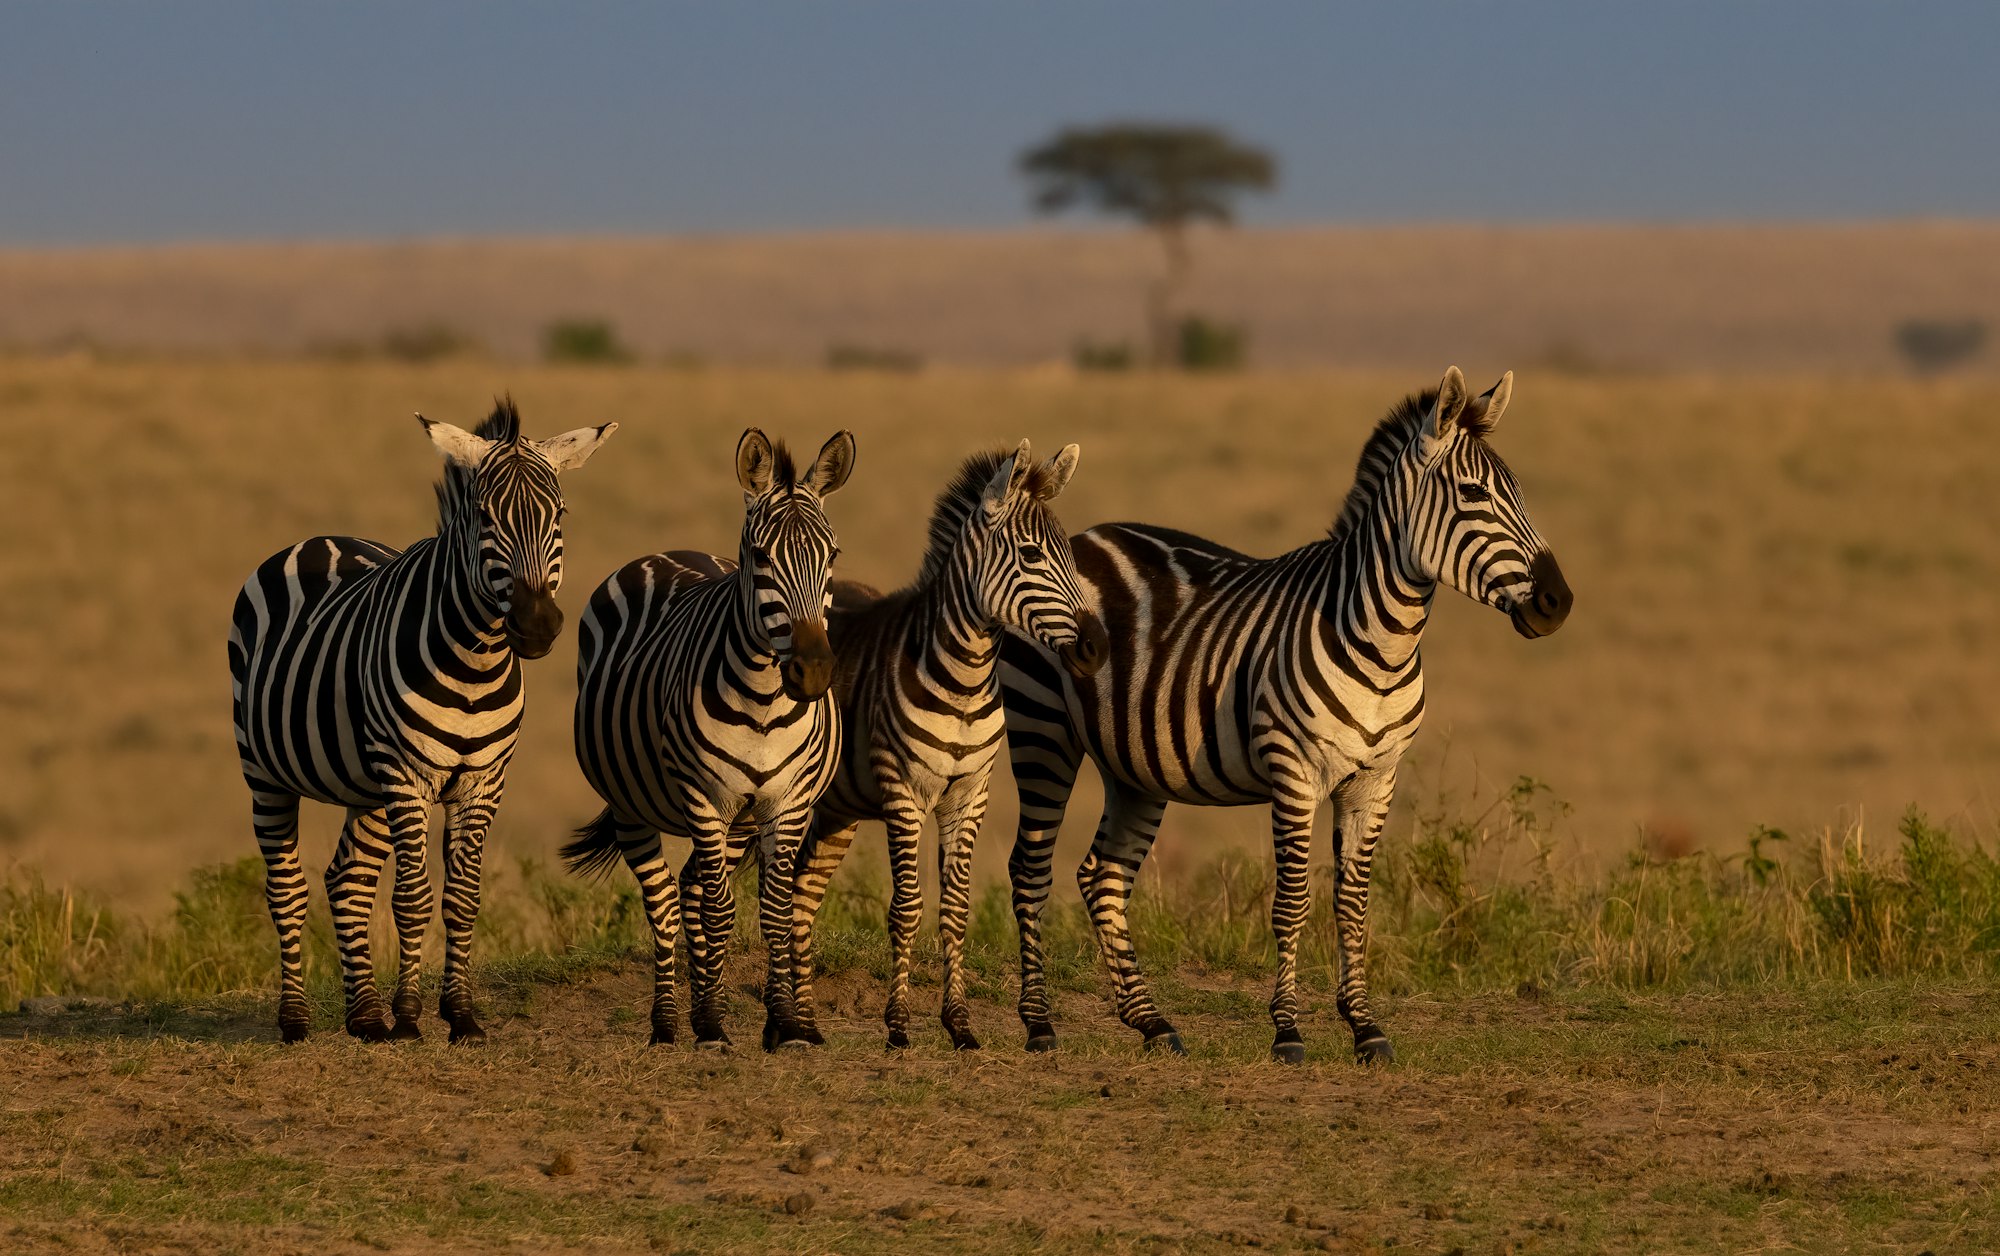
(1166, 177)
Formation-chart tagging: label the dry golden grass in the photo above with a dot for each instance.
(1787, 588)
(1782, 296)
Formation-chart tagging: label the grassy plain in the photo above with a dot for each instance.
(1787, 596)
(1787, 589)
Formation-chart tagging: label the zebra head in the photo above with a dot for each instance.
(500, 493)
(1023, 574)
(1467, 524)
(788, 551)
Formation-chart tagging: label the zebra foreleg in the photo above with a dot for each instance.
(825, 846)
(466, 824)
(958, 828)
(413, 905)
(1363, 806)
(275, 816)
(778, 853)
(709, 915)
(1291, 904)
(351, 881)
(1124, 836)
(906, 910)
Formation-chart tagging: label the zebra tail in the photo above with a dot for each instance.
(595, 851)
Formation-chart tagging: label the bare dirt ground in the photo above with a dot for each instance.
(1857, 1119)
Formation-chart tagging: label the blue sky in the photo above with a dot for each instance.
(145, 122)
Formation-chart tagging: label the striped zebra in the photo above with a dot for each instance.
(915, 676)
(699, 713)
(1289, 680)
(384, 682)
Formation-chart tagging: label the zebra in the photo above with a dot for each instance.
(699, 713)
(1236, 680)
(385, 681)
(914, 675)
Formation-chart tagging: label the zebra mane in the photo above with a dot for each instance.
(1385, 444)
(458, 491)
(784, 470)
(961, 497)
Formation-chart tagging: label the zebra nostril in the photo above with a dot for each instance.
(1546, 602)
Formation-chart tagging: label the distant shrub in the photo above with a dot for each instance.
(427, 342)
(1931, 345)
(846, 357)
(1107, 355)
(1211, 346)
(586, 340)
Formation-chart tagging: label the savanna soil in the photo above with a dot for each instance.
(1818, 1119)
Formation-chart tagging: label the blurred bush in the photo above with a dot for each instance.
(1931, 345)
(1211, 346)
(428, 342)
(1107, 355)
(583, 340)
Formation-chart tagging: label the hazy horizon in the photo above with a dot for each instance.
(224, 121)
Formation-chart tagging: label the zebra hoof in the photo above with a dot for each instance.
(1289, 1048)
(368, 1030)
(405, 1030)
(1374, 1050)
(1041, 1038)
(779, 1035)
(719, 1046)
(467, 1034)
(1168, 1043)
(964, 1040)
(899, 1040)
(662, 1037)
(292, 1031)
(813, 1037)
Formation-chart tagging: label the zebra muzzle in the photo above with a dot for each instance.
(1544, 610)
(1092, 646)
(533, 625)
(808, 671)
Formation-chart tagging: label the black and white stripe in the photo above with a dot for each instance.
(384, 682)
(700, 713)
(920, 705)
(1234, 680)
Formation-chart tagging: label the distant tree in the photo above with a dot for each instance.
(1931, 345)
(1166, 177)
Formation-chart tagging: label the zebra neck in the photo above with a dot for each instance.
(956, 627)
(746, 632)
(1379, 610)
(469, 604)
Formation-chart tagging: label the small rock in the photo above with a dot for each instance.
(1104, 1091)
(1434, 1212)
(798, 1205)
(809, 1160)
(1294, 1215)
(46, 1005)
(652, 1143)
(562, 1164)
(908, 1210)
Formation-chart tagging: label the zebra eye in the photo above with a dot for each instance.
(1032, 554)
(1474, 491)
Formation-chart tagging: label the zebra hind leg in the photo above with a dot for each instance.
(275, 816)
(1045, 759)
(778, 855)
(1106, 877)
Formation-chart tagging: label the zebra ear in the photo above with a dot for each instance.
(1445, 412)
(834, 464)
(1483, 414)
(1007, 480)
(572, 449)
(458, 446)
(1056, 472)
(753, 462)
